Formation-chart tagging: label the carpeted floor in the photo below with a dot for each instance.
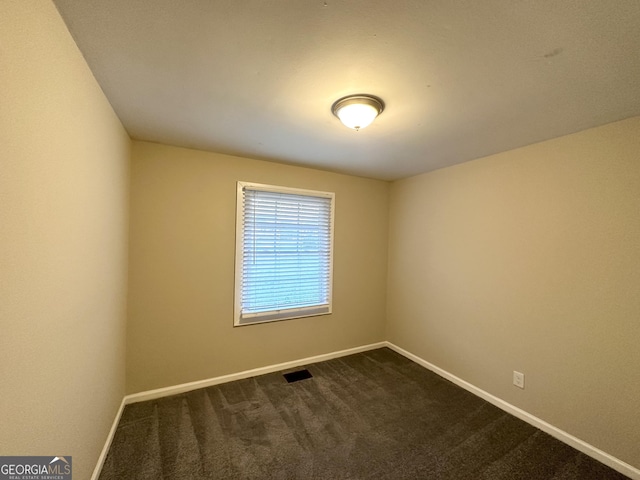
(374, 415)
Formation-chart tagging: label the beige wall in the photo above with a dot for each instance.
(529, 260)
(63, 233)
(182, 247)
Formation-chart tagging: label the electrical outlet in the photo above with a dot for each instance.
(518, 379)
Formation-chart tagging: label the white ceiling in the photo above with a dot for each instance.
(461, 79)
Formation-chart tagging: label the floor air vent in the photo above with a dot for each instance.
(297, 376)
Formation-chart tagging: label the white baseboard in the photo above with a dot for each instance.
(107, 445)
(186, 387)
(580, 445)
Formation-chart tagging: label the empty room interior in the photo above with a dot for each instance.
(467, 299)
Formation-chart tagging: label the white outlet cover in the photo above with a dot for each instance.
(518, 379)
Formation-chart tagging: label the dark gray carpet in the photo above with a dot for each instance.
(374, 415)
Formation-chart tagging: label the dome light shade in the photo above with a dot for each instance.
(357, 111)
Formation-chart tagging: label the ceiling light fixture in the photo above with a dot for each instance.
(357, 111)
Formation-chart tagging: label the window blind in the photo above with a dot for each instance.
(286, 254)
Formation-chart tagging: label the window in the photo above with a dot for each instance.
(284, 253)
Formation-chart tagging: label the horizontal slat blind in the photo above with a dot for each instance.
(286, 251)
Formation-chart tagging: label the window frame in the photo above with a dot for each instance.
(239, 319)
